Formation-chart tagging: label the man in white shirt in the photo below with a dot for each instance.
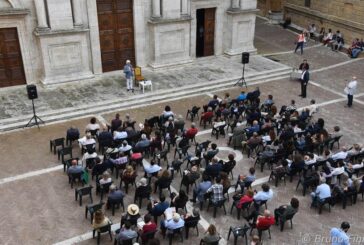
(322, 192)
(341, 155)
(350, 90)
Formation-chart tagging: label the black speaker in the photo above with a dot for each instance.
(32, 91)
(245, 58)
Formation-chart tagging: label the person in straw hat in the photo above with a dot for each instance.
(131, 216)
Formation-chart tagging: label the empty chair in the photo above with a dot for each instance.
(79, 192)
(193, 112)
(64, 152)
(239, 231)
(215, 205)
(53, 144)
(102, 188)
(104, 229)
(138, 75)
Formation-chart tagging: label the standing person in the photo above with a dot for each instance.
(350, 90)
(305, 77)
(300, 42)
(338, 236)
(128, 71)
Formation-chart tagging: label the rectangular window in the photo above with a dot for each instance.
(308, 3)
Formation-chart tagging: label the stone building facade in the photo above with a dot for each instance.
(56, 41)
(344, 15)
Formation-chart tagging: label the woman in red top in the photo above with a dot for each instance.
(248, 197)
(148, 227)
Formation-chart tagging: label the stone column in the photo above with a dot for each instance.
(184, 9)
(77, 15)
(235, 4)
(156, 9)
(41, 14)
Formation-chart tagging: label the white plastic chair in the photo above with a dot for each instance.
(144, 84)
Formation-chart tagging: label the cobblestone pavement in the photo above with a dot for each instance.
(39, 207)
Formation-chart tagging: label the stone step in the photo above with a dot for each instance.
(139, 100)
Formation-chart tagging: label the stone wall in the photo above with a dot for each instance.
(344, 15)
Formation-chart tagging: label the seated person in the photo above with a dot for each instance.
(72, 133)
(120, 134)
(286, 210)
(322, 192)
(87, 140)
(264, 221)
(213, 103)
(211, 152)
(337, 44)
(148, 227)
(125, 147)
(92, 125)
(190, 176)
(201, 189)
(114, 194)
(175, 223)
(143, 189)
(241, 96)
(105, 137)
(217, 190)
(310, 159)
(254, 95)
(312, 30)
(244, 180)
(153, 168)
(191, 217)
(100, 220)
(264, 195)
(164, 178)
(207, 115)
(179, 200)
(100, 167)
(341, 155)
(89, 157)
(121, 160)
(213, 168)
(327, 38)
(158, 208)
(269, 101)
(229, 165)
(191, 132)
(211, 235)
(247, 198)
(143, 142)
(128, 122)
(125, 233)
(105, 178)
(132, 215)
(167, 113)
(74, 168)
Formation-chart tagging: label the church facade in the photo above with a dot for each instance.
(55, 41)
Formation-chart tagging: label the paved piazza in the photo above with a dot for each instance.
(38, 205)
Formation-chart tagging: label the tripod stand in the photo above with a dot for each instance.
(241, 82)
(36, 119)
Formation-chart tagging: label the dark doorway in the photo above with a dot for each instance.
(11, 62)
(205, 32)
(116, 29)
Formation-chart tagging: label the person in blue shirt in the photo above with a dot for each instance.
(201, 189)
(339, 236)
(128, 71)
(157, 209)
(322, 192)
(242, 96)
(175, 223)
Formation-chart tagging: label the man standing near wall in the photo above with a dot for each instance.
(350, 90)
(128, 71)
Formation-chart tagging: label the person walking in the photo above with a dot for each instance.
(338, 235)
(128, 71)
(350, 90)
(300, 42)
(305, 77)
